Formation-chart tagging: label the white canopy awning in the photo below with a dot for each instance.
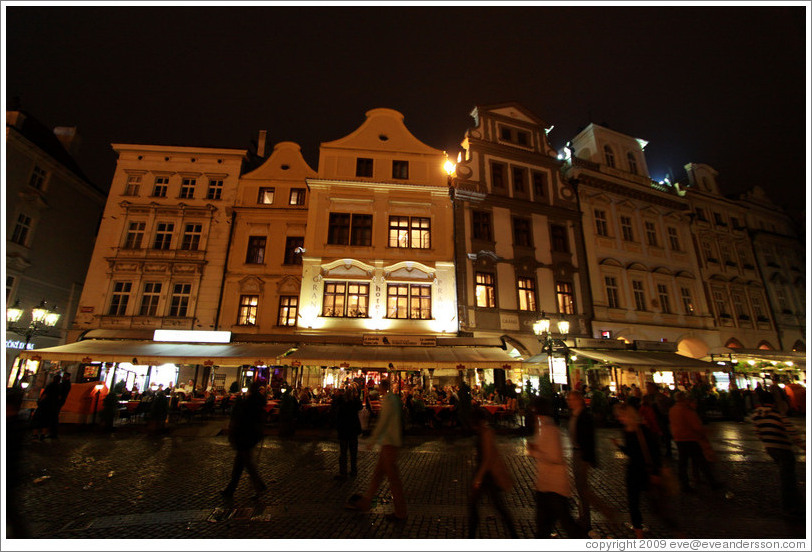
(402, 358)
(644, 359)
(150, 352)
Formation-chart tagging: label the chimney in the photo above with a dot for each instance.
(261, 143)
(69, 138)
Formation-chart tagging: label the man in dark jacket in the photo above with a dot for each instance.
(64, 391)
(584, 457)
(348, 405)
(244, 432)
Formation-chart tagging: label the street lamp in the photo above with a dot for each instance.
(41, 320)
(548, 342)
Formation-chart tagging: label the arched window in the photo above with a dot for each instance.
(632, 163)
(765, 345)
(799, 346)
(610, 156)
(734, 343)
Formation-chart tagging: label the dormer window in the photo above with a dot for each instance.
(632, 163)
(363, 167)
(400, 170)
(514, 136)
(609, 155)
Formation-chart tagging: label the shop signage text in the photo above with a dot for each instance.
(401, 340)
(11, 344)
(599, 343)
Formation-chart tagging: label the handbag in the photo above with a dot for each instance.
(363, 417)
(664, 483)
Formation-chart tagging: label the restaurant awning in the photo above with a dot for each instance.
(644, 359)
(402, 358)
(153, 353)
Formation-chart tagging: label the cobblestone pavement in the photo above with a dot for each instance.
(132, 484)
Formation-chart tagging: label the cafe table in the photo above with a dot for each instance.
(493, 408)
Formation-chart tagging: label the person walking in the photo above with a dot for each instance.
(661, 404)
(552, 481)
(47, 408)
(584, 458)
(244, 432)
(779, 437)
(388, 433)
(491, 476)
(692, 442)
(643, 470)
(348, 424)
(64, 391)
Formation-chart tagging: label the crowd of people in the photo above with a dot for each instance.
(655, 424)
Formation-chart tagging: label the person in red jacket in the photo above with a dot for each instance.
(692, 442)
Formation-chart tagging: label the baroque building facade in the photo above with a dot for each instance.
(53, 212)
(518, 239)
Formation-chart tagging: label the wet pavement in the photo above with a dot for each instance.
(133, 484)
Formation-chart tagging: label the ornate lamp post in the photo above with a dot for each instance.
(548, 342)
(41, 320)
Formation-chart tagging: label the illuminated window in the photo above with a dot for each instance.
(410, 232)
(288, 307)
(400, 170)
(481, 226)
(651, 234)
(119, 298)
(527, 294)
(215, 190)
(601, 225)
(497, 175)
(21, 229)
(485, 290)
(297, 196)
(609, 155)
(522, 234)
(135, 235)
(519, 180)
(564, 298)
(632, 163)
(180, 299)
(149, 299)
(346, 299)
(265, 196)
(673, 239)
(639, 295)
(256, 250)
(191, 237)
(363, 167)
(539, 184)
(38, 177)
(247, 315)
(687, 301)
(612, 298)
(187, 188)
(626, 228)
(133, 185)
(160, 187)
(163, 235)
(412, 301)
(292, 243)
(665, 303)
(349, 229)
(558, 237)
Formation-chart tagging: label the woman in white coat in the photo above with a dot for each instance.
(552, 481)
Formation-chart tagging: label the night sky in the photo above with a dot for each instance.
(718, 85)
